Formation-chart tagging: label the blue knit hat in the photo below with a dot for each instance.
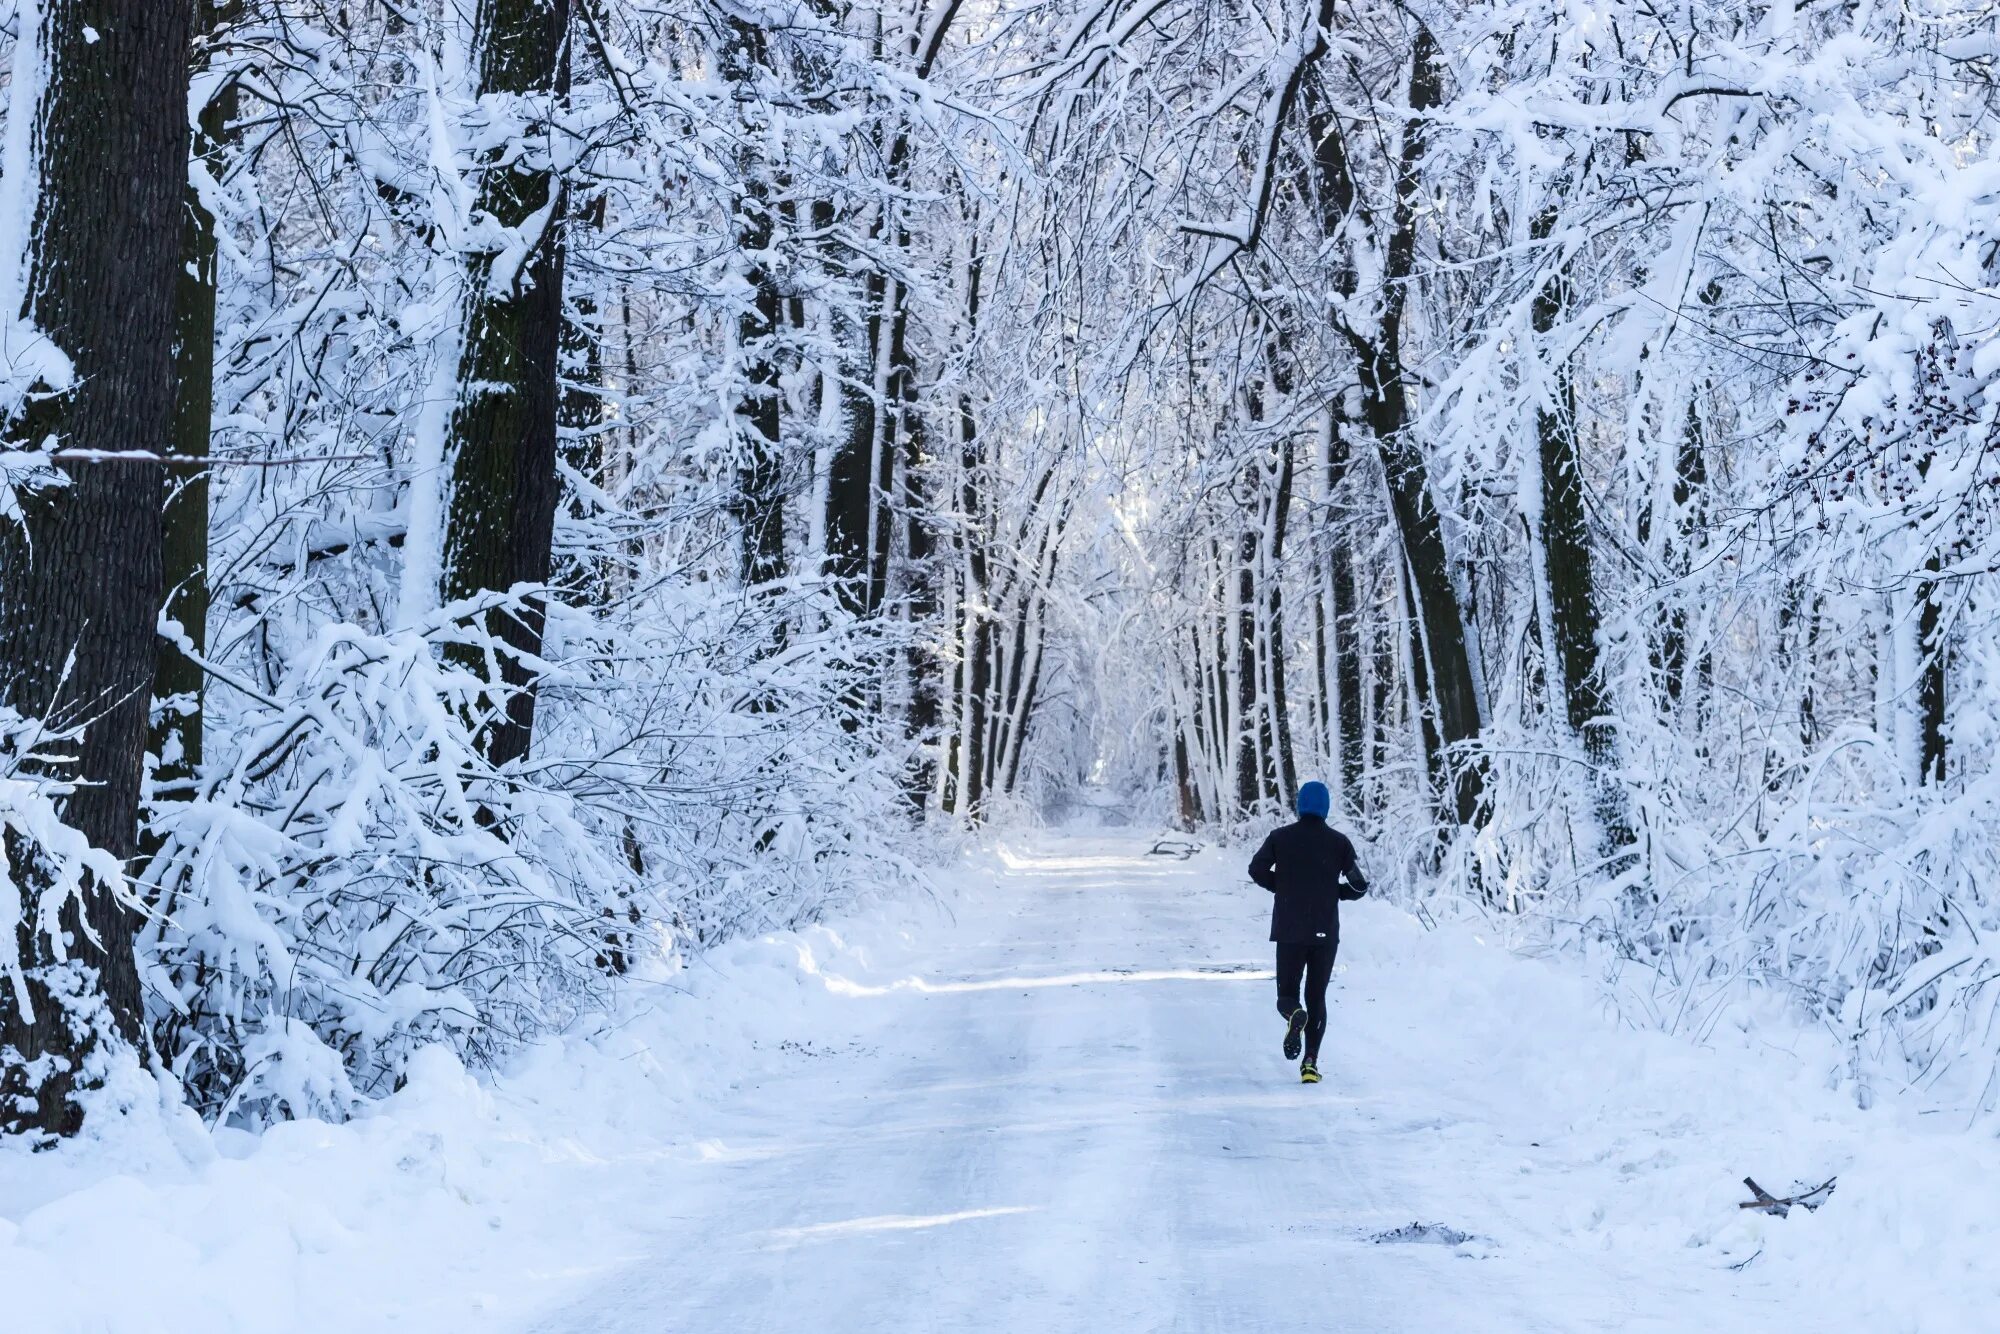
(1314, 799)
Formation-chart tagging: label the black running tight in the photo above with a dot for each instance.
(1312, 962)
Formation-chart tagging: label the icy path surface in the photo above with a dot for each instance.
(1072, 1115)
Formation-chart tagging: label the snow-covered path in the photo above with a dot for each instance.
(1075, 1117)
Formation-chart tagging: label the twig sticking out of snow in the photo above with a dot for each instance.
(1771, 1204)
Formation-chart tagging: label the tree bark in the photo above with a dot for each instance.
(82, 568)
(924, 666)
(501, 505)
(582, 433)
(1690, 478)
(850, 499)
(974, 615)
(1574, 614)
(178, 679)
(1932, 681)
(1285, 776)
(760, 499)
(1244, 663)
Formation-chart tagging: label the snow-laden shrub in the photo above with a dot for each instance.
(714, 734)
(46, 867)
(354, 872)
(354, 880)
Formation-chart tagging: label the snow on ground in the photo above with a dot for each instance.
(1054, 1104)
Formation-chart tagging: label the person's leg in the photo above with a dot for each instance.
(1318, 972)
(1291, 967)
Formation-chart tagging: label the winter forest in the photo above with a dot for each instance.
(500, 494)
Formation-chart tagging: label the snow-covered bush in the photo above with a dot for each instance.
(354, 872)
(46, 867)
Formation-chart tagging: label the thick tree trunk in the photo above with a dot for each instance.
(501, 450)
(81, 569)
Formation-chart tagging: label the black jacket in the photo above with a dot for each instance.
(1303, 865)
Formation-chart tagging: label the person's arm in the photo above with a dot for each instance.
(1356, 884)
(1264, 865)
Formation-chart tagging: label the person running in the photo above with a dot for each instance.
(1309, 868)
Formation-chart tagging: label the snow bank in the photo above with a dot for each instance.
(455, 1203)
(1628, 1141)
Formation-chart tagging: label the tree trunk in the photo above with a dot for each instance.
(925, 667)
(1444, 666)
(1931, 676)
(178, 679)
(1200, 763)
(1187, 802)
(1349, 741)
(1690, 478)
(1573, 598)
(81, 566)
(582, 433)
(975, 634)
(1336, 621)
(501, 448)
(1286, 773)
(850, 499)
(1249, 759)
(881, 524)
(760, 498)
(580, 408)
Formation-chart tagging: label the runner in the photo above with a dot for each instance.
(1309, 868)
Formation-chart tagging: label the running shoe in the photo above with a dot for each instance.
(1295, 1034)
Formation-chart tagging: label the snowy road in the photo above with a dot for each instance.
(1075, 1117)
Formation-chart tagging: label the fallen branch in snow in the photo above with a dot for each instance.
(1172, 847)
(1771, 1204)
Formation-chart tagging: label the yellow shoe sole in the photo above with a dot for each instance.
(1308, 1076)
